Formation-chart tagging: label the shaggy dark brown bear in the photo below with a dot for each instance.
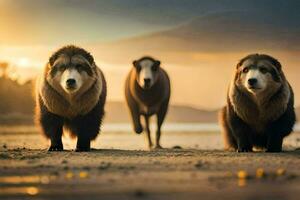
(70, 95)
(147, 92)
(260, 106)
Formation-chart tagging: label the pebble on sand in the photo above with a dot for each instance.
(280, 172)
(69, 175)
(83, 174)
(32, 191)
(242, 174)
(260, 173)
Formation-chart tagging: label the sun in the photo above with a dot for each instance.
(23, 62)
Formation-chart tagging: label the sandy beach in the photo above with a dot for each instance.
(191, 166)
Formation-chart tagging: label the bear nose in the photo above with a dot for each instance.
(252, 81)
(71, 82)
(147, 81)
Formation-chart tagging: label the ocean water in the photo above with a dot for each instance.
(121, 136)
(168, 127)
(173, 127)
(126, 127)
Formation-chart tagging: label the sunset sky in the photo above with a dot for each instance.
(182, 34)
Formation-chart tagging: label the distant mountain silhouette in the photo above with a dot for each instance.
(117, 112)
(223, 31)
(239, 32)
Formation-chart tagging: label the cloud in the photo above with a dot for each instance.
(73, 21)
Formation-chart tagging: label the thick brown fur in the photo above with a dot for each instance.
(148, 102)
(82, 115)
(247, 123)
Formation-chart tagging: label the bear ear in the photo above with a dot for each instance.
(156, 65)
(276, 63)
(240, 63)
(52, 59)
(134, 63)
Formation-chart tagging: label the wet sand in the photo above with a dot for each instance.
(120, 167)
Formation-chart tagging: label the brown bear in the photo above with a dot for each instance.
(70, 95)
(260, 106)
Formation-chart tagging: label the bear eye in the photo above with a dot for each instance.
(246, 70)
(154, 68)
(79, 67)
(62, 68)
(263, 70)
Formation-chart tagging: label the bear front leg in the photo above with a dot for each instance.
(137, 122)
(56, 143)
(243, 138)
(86, 128)
(274, 143)
(244, 144)
(52, 126)
(83, 144)
(134, 111)
(277, 130)
(160, 119)
(136, 118)
(241, 132)
(150, 144)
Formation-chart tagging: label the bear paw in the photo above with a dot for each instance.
(158, 146)
(244, 150)
(82, 149)
(56, 148)
(138, 130)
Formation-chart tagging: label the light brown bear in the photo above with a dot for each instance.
(147, 92)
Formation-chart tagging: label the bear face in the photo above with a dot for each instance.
(147, 70)
(259, 76)
(70, 74)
